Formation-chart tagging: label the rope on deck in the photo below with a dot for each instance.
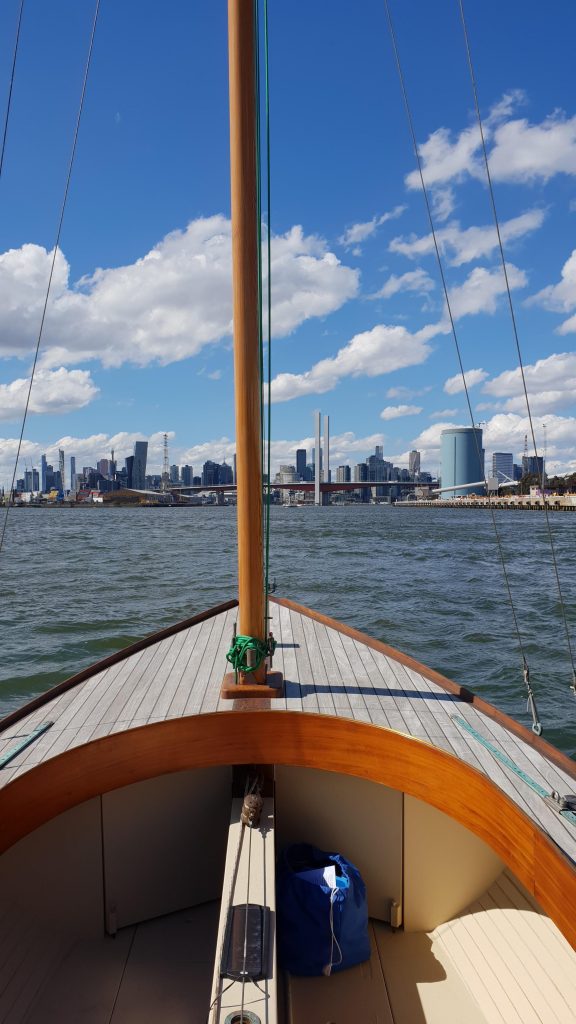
(552, 798)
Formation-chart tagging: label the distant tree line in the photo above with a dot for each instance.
(559, 484)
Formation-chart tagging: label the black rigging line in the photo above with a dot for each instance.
(9, 103)
(52, 265)
(536, 725)
(516, 338)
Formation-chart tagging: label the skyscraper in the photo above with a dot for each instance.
(533, 464)
(61, 469)
(139, 465)
(301, 463)
(43, 469)
(503, 466)
(73, 473)
(414, 464)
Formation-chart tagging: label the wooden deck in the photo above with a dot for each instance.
(327, 670)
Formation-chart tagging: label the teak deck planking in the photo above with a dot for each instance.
(328, 669)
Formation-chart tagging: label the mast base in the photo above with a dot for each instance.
(232, 690)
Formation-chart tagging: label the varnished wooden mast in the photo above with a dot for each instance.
(241, 54)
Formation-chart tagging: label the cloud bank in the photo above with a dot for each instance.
(164, 307)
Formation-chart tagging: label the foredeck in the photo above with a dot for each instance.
(327, 669)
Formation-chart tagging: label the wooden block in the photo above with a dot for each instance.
(231, 690)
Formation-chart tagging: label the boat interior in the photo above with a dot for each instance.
(115, 910)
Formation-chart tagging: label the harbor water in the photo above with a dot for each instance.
(78, 584)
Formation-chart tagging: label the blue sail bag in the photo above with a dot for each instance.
(322, 912)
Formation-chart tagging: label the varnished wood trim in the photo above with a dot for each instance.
(111, 659)
(546, 749)
(313, 741)
(242, 52)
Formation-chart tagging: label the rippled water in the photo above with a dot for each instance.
(77, 584)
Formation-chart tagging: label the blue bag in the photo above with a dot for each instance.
(322, 912)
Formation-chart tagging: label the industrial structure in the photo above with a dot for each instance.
(462, 461)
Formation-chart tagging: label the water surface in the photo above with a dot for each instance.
(77, 584)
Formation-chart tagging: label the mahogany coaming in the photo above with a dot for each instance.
(305, 740)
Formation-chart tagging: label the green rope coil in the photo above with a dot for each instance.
(241, 645)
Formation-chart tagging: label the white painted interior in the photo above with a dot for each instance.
(359, 819)
(165, 844)
(55, 873)
(446, 867)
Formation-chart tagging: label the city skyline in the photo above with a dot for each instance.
(284, 454)
(137, 336)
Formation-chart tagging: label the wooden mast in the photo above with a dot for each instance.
(243, 173)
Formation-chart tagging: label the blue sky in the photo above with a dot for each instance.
(138, 334)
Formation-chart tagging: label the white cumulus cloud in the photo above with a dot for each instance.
(53, 391)
(394, 412)
(167, 305)
(369, 354)
(443, 414)
(464, 245)
(561, 297)
(518, 151)
(454, 385)
(481, 290)
(413, 281)
(550, 382)
(360, 232)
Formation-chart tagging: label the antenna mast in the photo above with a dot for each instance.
(165, 466)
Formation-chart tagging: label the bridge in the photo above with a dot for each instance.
(307, 486)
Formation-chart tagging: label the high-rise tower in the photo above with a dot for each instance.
(165, 466)
(62, 470)
(139, 465)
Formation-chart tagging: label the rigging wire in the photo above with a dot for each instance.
(53, 263)
(516, 336)
(536, 724)
(11, 86)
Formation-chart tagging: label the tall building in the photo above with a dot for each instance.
(379, 451)
(129, 471)
(210, 474)
(225, 474)
(187, 476)
(361, 475)
(73, 473)
(461, 458)
(43, 470)
(414, 464)
(139, 465)
(61, 469)
(503, 466)
(103, 467)
(301, 463)
(31, 480)
(533, 465)
(343, 475)
(174, 474)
